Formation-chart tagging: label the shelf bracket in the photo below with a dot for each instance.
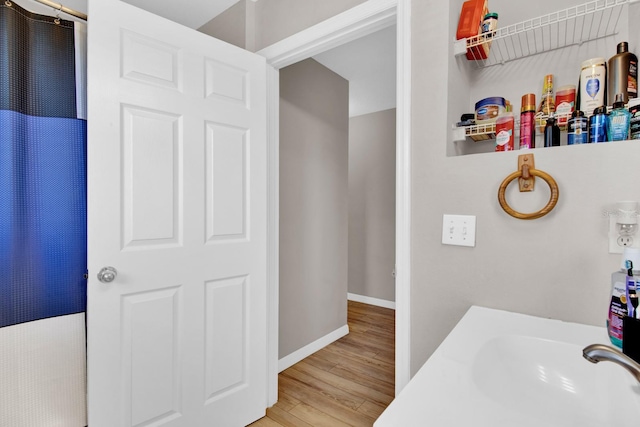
(460, 47)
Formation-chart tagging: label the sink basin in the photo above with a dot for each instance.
(502, 369)
(550, 381)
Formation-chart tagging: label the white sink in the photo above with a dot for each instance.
(505, 369)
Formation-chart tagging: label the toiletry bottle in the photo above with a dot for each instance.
(565, 104)
(632, 296)
(577, 129)
(622, 74)
(634, 119)
(551, 132)
(527, 122)
(489, 25)
(618, 121)
(598, 125)
(547, 103)
(592, 86)
(618, 302)
(504, 131)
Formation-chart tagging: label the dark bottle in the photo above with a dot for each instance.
(622, 74)
(598, 125)
(551, 133)
(577, 129)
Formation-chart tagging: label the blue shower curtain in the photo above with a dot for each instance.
(43, 239)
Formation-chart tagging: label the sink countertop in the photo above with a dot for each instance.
(498, 368)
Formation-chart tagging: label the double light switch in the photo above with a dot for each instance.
(459, 230)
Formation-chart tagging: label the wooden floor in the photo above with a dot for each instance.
(348, 383)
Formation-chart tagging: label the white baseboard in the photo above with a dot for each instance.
(309, 349)
(372, 301)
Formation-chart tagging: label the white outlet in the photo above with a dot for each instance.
(617, 242)
(459, 230)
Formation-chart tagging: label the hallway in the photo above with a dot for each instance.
(348, 383)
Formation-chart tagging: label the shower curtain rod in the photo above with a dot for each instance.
(61, 8)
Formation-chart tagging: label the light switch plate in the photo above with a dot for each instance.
(459, 230)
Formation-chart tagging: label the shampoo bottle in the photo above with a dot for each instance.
(618, 304)
(622, 76)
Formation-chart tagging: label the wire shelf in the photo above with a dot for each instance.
(575, 25)
(487, 131)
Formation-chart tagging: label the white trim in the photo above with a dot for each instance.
(403, 197)
(273, 230)
(371, 301)
(361, 20)
(309, 349)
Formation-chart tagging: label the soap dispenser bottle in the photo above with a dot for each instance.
(618, 308)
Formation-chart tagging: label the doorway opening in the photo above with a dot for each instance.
(356, 22)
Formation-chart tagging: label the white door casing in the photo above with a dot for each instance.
(359, 21)
(177, 204)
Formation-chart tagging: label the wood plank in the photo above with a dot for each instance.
(362, 308)
(371, 409)
(363, 343)
(365, 380)
(320, 363)
(351, 386)
(265, 422)
(325, 404)
(356, 349)
(348, 383)
(316, 418)
(285, 402)
(387, 356)
(371, 367)
(285, 418)
(339, 395)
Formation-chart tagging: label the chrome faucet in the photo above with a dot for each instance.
(595, 353)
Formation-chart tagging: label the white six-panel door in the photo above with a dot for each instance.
(177, 205)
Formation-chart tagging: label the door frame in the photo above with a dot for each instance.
(359, 21)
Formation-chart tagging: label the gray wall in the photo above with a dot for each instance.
(279, 19)
(557, 266)
(372, 204)
(230, 26)
(314, 132)
(254, 26)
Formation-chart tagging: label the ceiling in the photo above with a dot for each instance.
(193, 14)
(368, 63)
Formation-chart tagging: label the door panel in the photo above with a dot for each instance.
(151, 325)
(151, 178)
(177, 204)
(226, 165)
